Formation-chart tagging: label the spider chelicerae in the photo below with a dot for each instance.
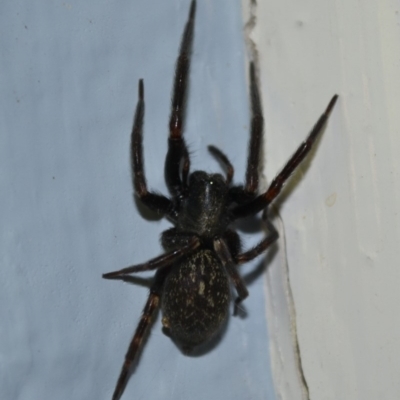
(192, 280)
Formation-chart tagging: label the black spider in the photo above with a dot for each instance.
(202, 252)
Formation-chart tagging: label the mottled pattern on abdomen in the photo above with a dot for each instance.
(196, 298)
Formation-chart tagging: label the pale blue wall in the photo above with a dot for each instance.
(68, 81)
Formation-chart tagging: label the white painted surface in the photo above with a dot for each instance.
(69, 88)
(341, 215)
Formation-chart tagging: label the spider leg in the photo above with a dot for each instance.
(143, 327)
(155, 202)
(223, 253)
(261, 246)
(185, 167)
(263, 200)
(257, 126)
(221, 157)
(246, 194)
(135, 280)
(159, 262)
(176, 144)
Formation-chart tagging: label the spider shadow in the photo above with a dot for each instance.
(262, 266)
(251, 225)
(260, 269)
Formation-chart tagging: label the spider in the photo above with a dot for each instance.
(192, 279)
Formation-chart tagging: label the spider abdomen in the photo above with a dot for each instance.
(196, 299)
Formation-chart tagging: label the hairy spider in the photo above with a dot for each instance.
(202, 252)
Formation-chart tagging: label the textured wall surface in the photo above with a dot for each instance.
(340, 214)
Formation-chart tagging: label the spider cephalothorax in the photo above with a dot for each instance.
(202, 252)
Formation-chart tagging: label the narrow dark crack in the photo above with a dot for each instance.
(292, 313)
(248, 28)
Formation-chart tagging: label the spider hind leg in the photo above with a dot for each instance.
(143, 328)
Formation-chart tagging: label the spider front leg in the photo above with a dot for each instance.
(177, 149)
(257, 127)
(142, 329)
(263, 200)
(245, 194)
(155, 202)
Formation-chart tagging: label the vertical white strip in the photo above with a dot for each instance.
(340, 212)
